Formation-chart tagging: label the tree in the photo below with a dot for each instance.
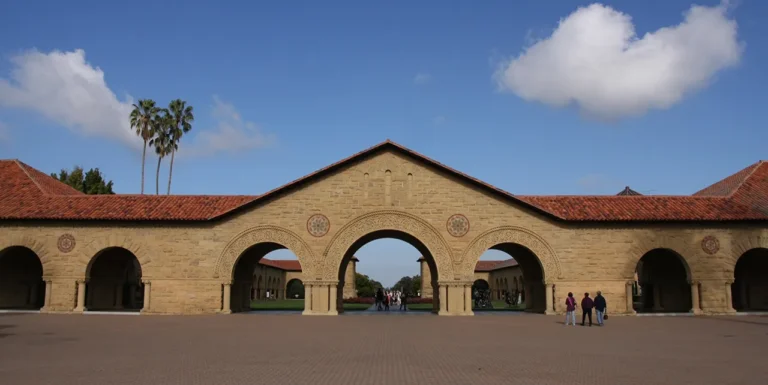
(366, 287)
(161, 141)
(181, 123)
(91, 182)
(409, 285)
(142, 118)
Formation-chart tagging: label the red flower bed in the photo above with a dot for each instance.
(368, 300)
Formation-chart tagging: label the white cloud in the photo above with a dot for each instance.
(66, 89)
(595, 60)
(422, 78)
(230, 134)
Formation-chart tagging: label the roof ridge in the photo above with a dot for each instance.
(26, 172)
(749, 175)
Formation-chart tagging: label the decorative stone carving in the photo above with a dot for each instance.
(520, 236)
(457, 225)
(66, 243)
(225, 265)
(710, 245)
(318, 225)
(387, 220)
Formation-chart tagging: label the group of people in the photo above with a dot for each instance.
(385, 299)
(587, 304)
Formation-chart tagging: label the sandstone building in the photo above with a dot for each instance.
(62, 251)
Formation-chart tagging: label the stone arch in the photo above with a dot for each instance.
(225, 265)
(93, 249)
(30, 243)
(382, 221)
(550, 263)
(653, 242)
(740, 248)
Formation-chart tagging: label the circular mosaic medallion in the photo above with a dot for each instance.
(66, 243)
(710, 244)
(318, 225)
(458, 225)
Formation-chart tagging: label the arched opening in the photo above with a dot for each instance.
(114, 282)
(295, 289)
(257, 277)
(750, 286)
(417, 284)
(664, 278)
(21, 279)
(513, 263)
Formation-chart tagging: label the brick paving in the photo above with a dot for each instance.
(293, 349)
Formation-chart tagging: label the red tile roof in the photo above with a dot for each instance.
(486, 266)
(282, 264)
(34, 195)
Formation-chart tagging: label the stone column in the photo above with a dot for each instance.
(550, 310)
(657, 298)
(630, 305)
(443, 299)
(147, 297)
(118, 296)
(696, 304)
(307, 298)
(80, 296)
(333, 299)
(468, 299)
(729, 298)
(226, 307)
(47, 304)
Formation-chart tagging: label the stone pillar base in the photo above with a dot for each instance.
(305, 312)
(225, 311)
(550, 312)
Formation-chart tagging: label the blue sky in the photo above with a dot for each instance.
(282, 89)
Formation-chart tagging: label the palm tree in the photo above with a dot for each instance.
(181, 123)
(161, 138)
(142, 117)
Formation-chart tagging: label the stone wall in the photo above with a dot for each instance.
(189, 267)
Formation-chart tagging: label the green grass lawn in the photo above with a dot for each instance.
(297, 304)
(420, 306)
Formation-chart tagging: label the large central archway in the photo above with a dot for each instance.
(387, 224)
(342, 275)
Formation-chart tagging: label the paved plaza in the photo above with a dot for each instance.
(291, 349)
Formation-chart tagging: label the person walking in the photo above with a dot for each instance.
(379, 299)
(586, 308)
(570, 309)
(404, 301)
(600, 305)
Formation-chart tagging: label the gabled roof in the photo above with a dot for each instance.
(24, 201)
(18, 178)
(282, 264)
(628, 192)
(487, 266)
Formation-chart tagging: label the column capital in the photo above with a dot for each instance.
(146, 281)
(630, 283)
(82, 280)
(694, 282)
(729, 282)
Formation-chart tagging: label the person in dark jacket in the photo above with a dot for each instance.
(600, 306)
(379, 299)
(586, 308)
